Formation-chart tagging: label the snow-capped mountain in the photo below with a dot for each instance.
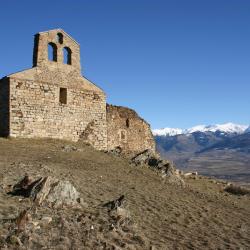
(226, 128)
(247, 130)
(203, 148)
(168, 131)
(223, 128)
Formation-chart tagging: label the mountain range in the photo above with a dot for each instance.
(221, 150)
(222, 128)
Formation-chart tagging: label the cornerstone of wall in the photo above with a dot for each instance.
(53, 100)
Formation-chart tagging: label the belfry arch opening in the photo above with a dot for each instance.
(52, 52)
(67, 53)
(60, 38)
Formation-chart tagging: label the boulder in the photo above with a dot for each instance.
(117, 151)
(47, 189)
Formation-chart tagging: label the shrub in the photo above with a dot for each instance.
(237, 190)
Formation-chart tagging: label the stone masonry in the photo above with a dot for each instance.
(128, 131)
(53, 100)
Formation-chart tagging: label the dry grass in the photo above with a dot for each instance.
(201, 216)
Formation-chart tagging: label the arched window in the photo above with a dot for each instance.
(67, 55)
(52, 52)
(60, 38)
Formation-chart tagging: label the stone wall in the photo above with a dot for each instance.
(128, 131)
(37, 112)
(4, 107)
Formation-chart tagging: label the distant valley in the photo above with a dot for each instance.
(222, 151)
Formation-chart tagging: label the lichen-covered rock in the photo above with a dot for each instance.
(62, 192)
(47, 189)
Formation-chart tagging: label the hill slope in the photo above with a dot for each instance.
(166, 216)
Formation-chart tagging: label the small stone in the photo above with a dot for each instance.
(35, 223)
(69, 148)
(122, 212)
(116, 151)
(15, 240)
(22, 220)
(46, 219)
(82, 202)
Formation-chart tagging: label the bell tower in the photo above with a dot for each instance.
(56, 49)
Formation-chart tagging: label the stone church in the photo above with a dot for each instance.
(53, 100)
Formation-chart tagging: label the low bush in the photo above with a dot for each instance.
(237, 190)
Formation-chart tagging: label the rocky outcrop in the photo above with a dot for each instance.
(154, 161)
(114, 204)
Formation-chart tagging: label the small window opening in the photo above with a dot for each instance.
(63, 96)
(123, 135)
(96, 97)
(52, 52)
(60, 38)
(67, 55)
(127, 123)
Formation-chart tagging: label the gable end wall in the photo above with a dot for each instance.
(35, 111)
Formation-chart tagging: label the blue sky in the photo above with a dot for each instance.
(179, 63)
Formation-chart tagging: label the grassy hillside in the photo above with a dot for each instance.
(164, 216)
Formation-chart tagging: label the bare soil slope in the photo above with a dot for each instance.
(163, 216)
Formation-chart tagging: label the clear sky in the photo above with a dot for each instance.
(179, 63)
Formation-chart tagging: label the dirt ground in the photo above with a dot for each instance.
(163, 216)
